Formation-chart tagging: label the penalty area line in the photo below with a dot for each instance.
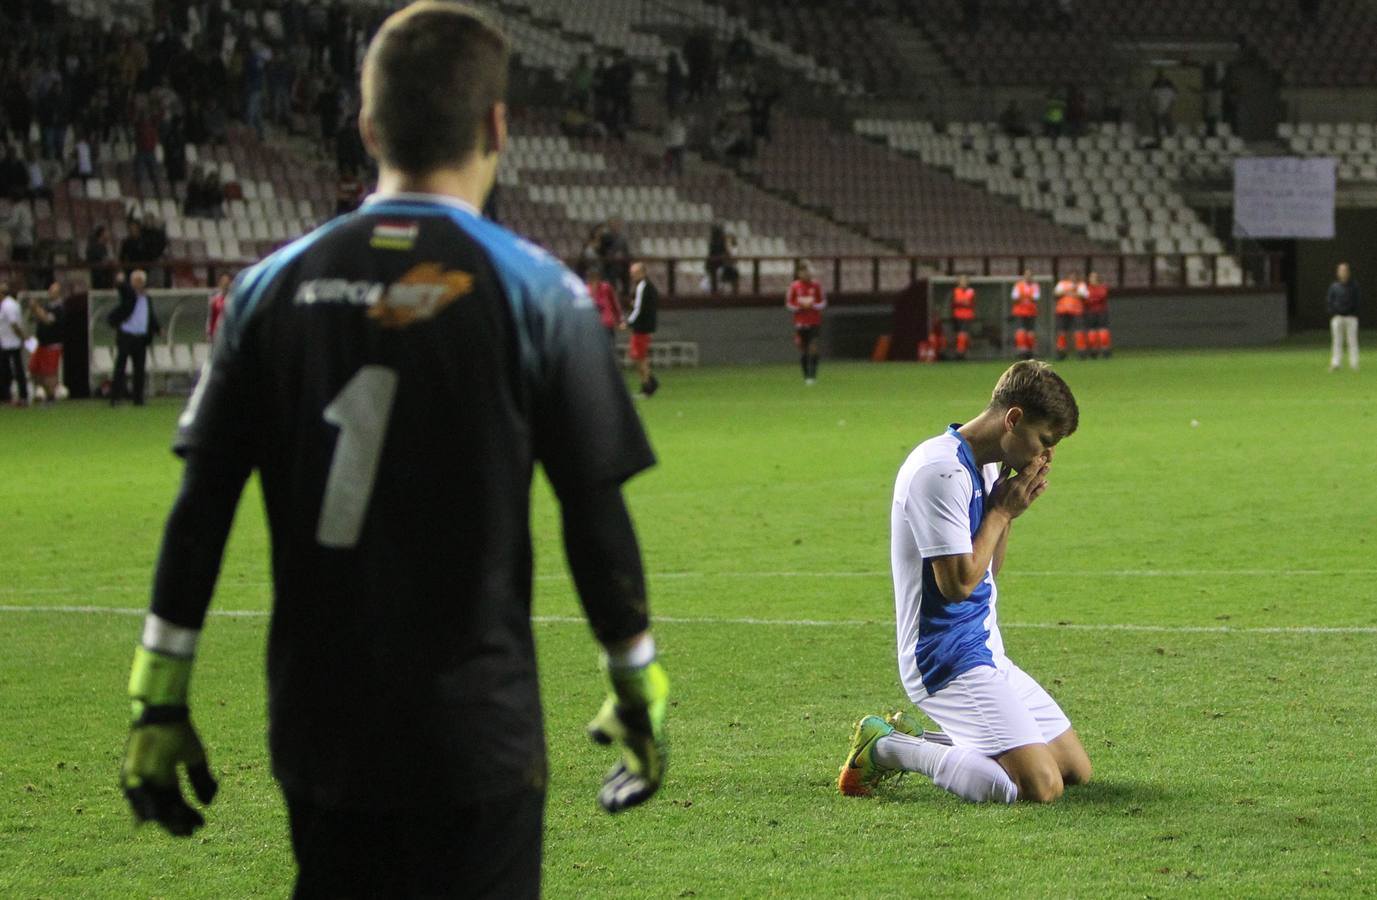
(788, 623)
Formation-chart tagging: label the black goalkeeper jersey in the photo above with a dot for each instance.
(394, 376)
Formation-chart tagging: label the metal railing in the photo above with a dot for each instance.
(767, 276)
(690, 277)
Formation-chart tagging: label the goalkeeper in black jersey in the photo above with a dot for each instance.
(394, 377)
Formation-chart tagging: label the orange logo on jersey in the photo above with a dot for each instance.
(419, 295)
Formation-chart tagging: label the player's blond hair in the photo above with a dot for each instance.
(1033, 387)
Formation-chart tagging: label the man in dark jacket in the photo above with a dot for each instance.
(135, 324)
(1343, 301)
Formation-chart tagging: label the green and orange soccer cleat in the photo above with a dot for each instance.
(860, 774)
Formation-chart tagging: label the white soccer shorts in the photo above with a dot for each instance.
(990, 711)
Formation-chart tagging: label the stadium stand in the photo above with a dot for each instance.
(1106, 183)
(1030, 44)
(1353, 144)
(901, 200)
(557, 188)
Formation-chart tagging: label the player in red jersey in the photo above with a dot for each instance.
(807, 301)
(1070, 293)
(1026, 294)
(217, 306)
(609, 310)
(962, 314)
(1097, 315)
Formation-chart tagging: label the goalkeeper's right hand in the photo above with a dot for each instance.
(634, 716)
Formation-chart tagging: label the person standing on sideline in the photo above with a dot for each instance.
(1343, 301)
(605, 298)
(46, 359)
(395, 442)
(135, 324)
(12, 337)
(1070, 293)
(1097, 316)
(215, 310)
(642, 321)
(962, 314)
(1026, 294)
(1003, 738)
(806, 301)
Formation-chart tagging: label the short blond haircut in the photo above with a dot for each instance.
(1033, 387)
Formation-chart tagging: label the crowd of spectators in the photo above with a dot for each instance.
(180, 75)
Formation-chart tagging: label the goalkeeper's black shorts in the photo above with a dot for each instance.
(489, 849)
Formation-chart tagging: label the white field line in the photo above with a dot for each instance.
(813, 623)
(13, 593)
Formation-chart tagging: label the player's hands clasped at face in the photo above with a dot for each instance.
(1015, 493)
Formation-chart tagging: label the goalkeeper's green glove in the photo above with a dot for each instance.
(634, 716)
(161, 738)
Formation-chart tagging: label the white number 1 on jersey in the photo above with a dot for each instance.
(361, 412)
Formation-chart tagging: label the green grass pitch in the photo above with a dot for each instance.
(1200, 598)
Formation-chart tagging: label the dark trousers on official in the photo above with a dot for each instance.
(12, 369)
(488, 849)
(129, 347)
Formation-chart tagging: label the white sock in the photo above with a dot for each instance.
(973, 777)
(912, 754)
(966, 774)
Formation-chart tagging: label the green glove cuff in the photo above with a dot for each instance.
(157, 679)
(644, 688)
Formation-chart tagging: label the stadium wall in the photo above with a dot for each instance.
(756, 332)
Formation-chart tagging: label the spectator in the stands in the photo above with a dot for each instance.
(255, 82)
(146, 138)
(204, 195)
(674, 84)
(50, 108)
(581, 85)
(97, 255)
(131, 248)
(83, 162)
(17, 218)
(740, 51)
(153, 239)
(720, 266)
(173, 139)
(728, 141)
(43, 174)
(216, 121)
(590, 257)
(1162, 97)
(676, 142)
(14, 175)
(348, 192)
(1011, 121)
(698, 59)
(349, 152)
(760, 102)
(1054, 115)
(17, 103)
(327, 108)
(614, 251)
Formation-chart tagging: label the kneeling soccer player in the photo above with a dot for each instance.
(1003, 737)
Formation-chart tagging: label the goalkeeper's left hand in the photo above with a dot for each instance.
(162, 739)
(633, 715)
